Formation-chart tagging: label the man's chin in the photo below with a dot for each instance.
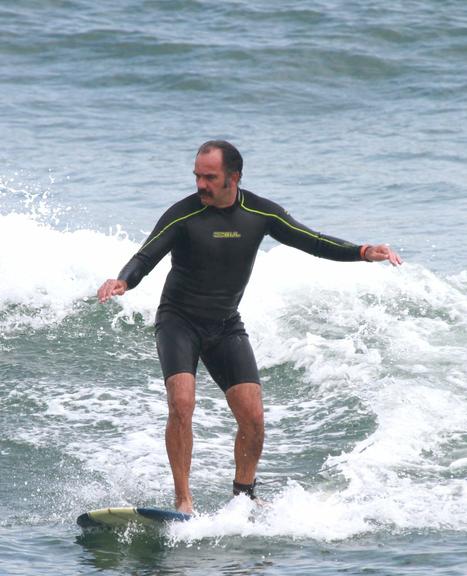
(205, 200)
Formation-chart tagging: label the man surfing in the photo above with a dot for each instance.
(213, 236)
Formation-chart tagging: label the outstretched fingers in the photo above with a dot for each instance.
(383, 252)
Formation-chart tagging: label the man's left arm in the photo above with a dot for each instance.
(287, 230)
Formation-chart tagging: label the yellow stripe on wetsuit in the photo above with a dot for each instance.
(171, 224)
(272, 215)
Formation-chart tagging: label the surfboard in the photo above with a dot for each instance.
(121, 517)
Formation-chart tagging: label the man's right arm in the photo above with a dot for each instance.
(156, 246)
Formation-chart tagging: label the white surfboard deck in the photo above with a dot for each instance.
(121, 517)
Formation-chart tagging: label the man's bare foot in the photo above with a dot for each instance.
(184, 506)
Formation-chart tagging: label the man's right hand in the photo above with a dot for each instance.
(111, 288)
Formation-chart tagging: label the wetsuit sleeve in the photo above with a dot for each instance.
(287, 230)
(157, 245)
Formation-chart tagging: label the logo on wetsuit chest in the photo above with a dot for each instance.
(226, 234)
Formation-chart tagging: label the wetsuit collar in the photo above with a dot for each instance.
(233, 206)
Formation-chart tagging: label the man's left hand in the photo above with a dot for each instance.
(382, 252)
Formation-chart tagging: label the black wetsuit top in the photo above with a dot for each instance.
(214, 249)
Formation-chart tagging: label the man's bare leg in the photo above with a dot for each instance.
(245, 401)
(179, 435)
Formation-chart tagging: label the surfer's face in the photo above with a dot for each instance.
(214, 186)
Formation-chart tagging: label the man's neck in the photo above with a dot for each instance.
(230, 200)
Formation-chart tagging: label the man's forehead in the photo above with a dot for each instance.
(209, 161)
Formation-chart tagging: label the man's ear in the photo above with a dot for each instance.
(235, 178)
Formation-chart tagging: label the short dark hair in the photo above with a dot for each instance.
(231, 158)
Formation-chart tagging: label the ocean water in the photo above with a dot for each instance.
(353, 116)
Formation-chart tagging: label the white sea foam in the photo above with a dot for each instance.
(45, 268)
(46, 272)
(330, 516)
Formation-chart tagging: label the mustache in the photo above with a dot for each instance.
(204, 192)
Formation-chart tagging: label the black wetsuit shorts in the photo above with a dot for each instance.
(222, 345)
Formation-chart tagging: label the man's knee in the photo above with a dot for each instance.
(246, 403)
(253, 416)
(253, 424)
(181, 395)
